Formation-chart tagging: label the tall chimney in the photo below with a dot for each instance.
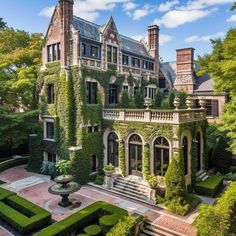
(185, 70)
(153, 45)
(66, 17)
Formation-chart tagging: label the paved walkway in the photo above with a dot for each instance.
(34, 187)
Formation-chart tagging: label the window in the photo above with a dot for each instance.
(94, 51)
(136, 89)
(112, 94)
(91, 92)
(83, 49)
(49, 130)
(90, 129)
(212, 107)
(148, 65)
(145, 64)
(111, 54)
(95, 129)
(150, 92)
(125, 60)
(151, 66)
(162, 83)
(135, 62)
(161, 156)
(93, 163)
(53, 52)
(113, 149)
(50, 93)
(51, 157)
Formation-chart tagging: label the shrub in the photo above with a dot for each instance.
(93, 230)
(171, 98)
(210, 186)
(175, 180)
(125, 100)
(47, 168)
(63, 166)
(125, 227)
(158, 99)
(178, 206)
(219, 219)
(99, 180)
(192, 200)
(12, 163)
(4, 193)
(165, 104)
(152, 181)
(83, 218)
(23, 215)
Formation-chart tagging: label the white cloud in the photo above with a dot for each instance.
(231, 18)
(87, 9)
(167, 5)
(163, 38)
(142, 12)
(47, 11)
(175, 18)
(206, 38)
(128, 6)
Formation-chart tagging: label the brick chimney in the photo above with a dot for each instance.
(185, 70)
(66, 18)
(153, 45)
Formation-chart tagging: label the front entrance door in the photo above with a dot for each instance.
(135, 156)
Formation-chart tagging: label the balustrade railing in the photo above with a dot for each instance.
(155, 116)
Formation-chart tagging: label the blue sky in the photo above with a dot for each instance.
(189, 23)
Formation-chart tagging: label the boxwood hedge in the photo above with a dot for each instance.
(4, 193)
(12, 163)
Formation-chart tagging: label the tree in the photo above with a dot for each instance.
(233, 7)
(221, 66)
(125, 100)
(20, 60)
(158, 99)
(139, 100)
(2, 23)
(171, 98)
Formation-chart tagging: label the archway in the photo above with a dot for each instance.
(112, 151)
(161, 156)
(135, 155)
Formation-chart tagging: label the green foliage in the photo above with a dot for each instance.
(63, 166)
(20, 60)
(47, 168)
(182, 96)
(233, 7)
(165, 104)
(171, 98)
(93, 230)
(2, 23)
(99, 180)
(109, 216)
(210, 186)
(109, 168)
(125, 100)
(139, 99)
(4, 193)
(178, 205)
(175, 179)
(152, 181)
(219, 219)
(12, 163)
(158, 99)
(221, 66)
(23, 215)
(221, 158)
(125, 227)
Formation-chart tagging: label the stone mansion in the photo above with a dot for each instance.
(85, 69)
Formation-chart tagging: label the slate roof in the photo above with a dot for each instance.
(92, 31)
(203, 83)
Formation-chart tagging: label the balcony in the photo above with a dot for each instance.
(155, 116)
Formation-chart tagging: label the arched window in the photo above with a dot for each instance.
(94, 163)
(161, 156)
(185, 154)
(198, 140)
(135, 155)
(112, 155)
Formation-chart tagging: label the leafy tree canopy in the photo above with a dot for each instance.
(20, 57)
(221, 66)
(2, 23)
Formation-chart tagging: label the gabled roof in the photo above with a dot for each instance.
(204, 83)
(92, 31)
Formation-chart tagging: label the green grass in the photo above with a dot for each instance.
(210, 186)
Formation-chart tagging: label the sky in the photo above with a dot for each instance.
(183, 24)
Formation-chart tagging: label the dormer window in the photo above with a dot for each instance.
(135, 62)
(94, 51)
(53, 52)
(125, 60)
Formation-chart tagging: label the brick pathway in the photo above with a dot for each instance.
(39, 194)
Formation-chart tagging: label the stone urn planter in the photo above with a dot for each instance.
(148, 103)
(109, 172)
(189, 102)
(152, 182)
(202, 102)
(176, 103)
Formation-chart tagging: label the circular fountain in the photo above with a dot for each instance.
(64, 187)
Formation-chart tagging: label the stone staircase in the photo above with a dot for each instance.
(132, 187)
(202, 175)
(150, 229)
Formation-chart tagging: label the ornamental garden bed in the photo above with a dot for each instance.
(12, 163)
(97, 219)
(22, 215)
(210, 186)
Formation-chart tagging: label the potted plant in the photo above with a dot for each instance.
(109, 170)
(152, 182)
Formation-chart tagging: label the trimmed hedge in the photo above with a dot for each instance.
(93, 230)
(12, 163)
(23, 215)
(85, 217)
(4, 193)
(210, 186)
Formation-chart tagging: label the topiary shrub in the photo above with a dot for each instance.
(158, 99)
(93, 230)
(125, 227)
(171, 98)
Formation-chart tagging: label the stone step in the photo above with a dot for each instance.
(124, 186)
(132, 183)
(129, 193)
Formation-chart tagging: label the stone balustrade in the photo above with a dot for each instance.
(155, 116)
